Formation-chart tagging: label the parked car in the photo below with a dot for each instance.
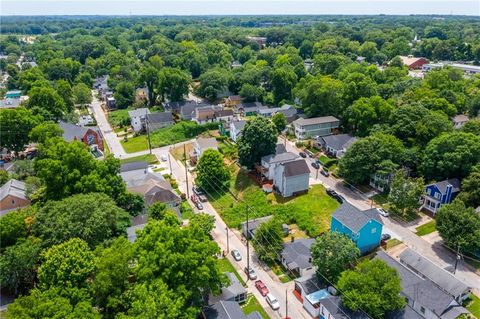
(309, 153)
(316, 165)
(199, 205)
(197, 190)
(163, 158)
(261, 287)
(331, 192)
(324, 173)
(194, 198)
(273, 302)
(252, 275)
(386, 237)
(382, 212)
(340, 198)
(236, 255)
(302, 154)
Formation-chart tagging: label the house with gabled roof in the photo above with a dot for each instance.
(336, 145)
(291, 177)
(236, 128)
(88, 135)
(234, 291)
(296, 255)
(440, 193)
(137, 118)
(13, 196)
(227, 310)
(158, 120)
(315, 126)
(364, 228)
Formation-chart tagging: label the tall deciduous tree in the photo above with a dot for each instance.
(81, 94)
(92, 217)
(366, 112)
(405, 192)
(268, 241)
(333, 253)
(459, 226)
(124, 94)
(283, 80)
(15, 125)
(46, 102)
(212, 174)
(258, 139)
(66, 265)
(470, 193)
(173, 84)
(280, 121)
(44, 131)
(373, 287)
(150, 76)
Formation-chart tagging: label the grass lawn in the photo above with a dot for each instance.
(311, 211)
(149, 158)
(380, 198)
(392, 243)
(119, 118)
(252, 305)
(282, 274)
(187, 211)
(179, 132)
(326, 161)
(224, 265)
(135, 144)
(177, 152)
(473, 305)
(427, 228)
(295, 232)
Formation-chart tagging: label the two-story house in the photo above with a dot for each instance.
(202, 144)
(439, 193)
(316, 126)
(236, 128)
(364, 228)
(137, 118)
(292, 177)
(270, 162)
(158, 120)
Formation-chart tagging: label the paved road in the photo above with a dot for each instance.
(108, 134)
(399, 229)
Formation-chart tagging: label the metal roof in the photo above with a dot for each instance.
(14, 188)
(316, 120)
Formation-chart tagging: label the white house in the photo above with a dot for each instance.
(270, 162)
(202, 144)
(316, 126)
(137, 118)
(336, 145)
(236, 128)
(296, 256)
(291, 178)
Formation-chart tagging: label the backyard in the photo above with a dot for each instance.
(310, 211)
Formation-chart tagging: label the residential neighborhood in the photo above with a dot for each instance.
(237, 166)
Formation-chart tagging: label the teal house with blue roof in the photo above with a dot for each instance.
(364, 228)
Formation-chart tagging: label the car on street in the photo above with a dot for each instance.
(382, 212)
(302, 154)
(194, 198)
(236, 255)
(199, 205)
(386, 237)
(309, 153)
(324, 173)
(163, 158)
(316, 165)
(331, 192)
(252, 275)
(340, 198)
(200, 194)
(273, 302)
(261, 287)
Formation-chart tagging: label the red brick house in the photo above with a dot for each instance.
(413, 63)
(88, 135)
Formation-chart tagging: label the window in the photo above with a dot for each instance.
(438, 195)
(422, 310)
(429, 191)
(13, 201)
(374, 230)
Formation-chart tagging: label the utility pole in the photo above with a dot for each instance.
(286, 303)
(316, 177)
(170, 161)
(228, 245)
(457, 259)
(285, 140)
(148, 131)
(186, 171)
(248, 249)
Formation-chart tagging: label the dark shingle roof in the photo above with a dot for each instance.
(339, 141)
(353, 218)
(72, 131)
(225, 310)
(295, 168)
(337, 310)
(297, 253)
(442, 185)
(133, 166)
(161, 117)
(239, 125)
(221, 113)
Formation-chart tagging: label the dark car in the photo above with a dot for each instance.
(340, 198)
(324, 173)
(302, 154)
(386, 237)
(315, 165)
(309, 153)
(197, 190)
(331, 192)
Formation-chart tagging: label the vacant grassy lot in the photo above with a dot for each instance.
(149, 158)
(119, 118)
(179, 132)
(178, 152)
(427, 228)
(311, 211)
(135, 144)
(392, 243)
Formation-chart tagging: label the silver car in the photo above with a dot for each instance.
(236, 255)
(273, 302)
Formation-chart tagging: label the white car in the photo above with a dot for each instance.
(236, 255)
(382, 212)
(273, 302)
(163, 158)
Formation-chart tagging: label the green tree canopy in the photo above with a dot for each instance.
(15, 226)
(45, 101)
(283, 80)
(212, 174)
(174, 84)
(258, 139)
(459, 226)
(214, 82)
(268, 241)
(81, 94)
(366, 112)
(470, 193)
(373, 287)
(405, 192)
(92, 217)
(15, 125)
(44, 131)
(333, 253)
(124, 94)
(280, 121)
(66, 265)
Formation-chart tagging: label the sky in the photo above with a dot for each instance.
(237, 7)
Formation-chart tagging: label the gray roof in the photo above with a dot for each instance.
(338, 142)
(315, 120)
(297, 253)
(280, 148)
(228, 310)
(72, 131)
(286, 109)
(253, 224)
(336, 308)
(422, 291)
(309, 283)
(251, 106)
(221, 113)
(161, 117)
(231, 291)
(133, 166)
(138, 112)
(188, 107)
(353, 218)
(280, 157)
(295, 168)
(132, 232)
(14, 188)
(239, 125)
(207, 142)
(9, 103)
(442, 185)
(425, 267)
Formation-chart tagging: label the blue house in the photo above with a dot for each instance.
(440, 193)
(364, 228)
